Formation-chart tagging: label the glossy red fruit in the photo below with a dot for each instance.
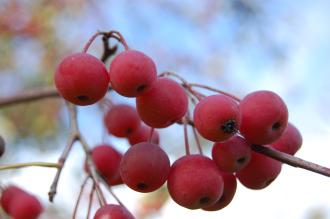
(260, 172)
(290, 141)
(229, 190)
(231, 155)
(113, 212)
(264, 117)
(164, 104)
(2, 146)
(217, 117)
(144, 167)
(25, 206)
(81, 79)
(142, 135)
(106, 160)
(115, 180)
(194, 182)
(122, 120)
(132, 73)
(7, 196)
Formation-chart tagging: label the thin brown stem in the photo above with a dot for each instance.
(185, 131)
(198, 143)
(111, 192)
(291, 160)
(61, 162)
(185, 84)
(91, 40)
(90, 203)
(28, 96)
(79, 197)
(215, 90)
(30, 164)
(150, 135)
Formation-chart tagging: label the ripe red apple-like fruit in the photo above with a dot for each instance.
(113, 212)
(122, 120)
(264, 117)
(164, 104)
(132, 73)
(260, 172)
(194, 182)
(81, 79)
(144, 167)
(217, 117)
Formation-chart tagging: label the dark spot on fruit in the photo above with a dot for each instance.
(269, 182)
(82, 98)
(141, 186)
(241, 160)
(204, 200)
(229, 126)
(141, 88)
(128, 131)
(276, 126)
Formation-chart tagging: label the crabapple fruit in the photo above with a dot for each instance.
(217, 117)
(229, 190)
(121, 120)
(260, 172)
(164, 104)
(81, 79)
(231, 155)
(194, 182)
(142, 134)
(264, 117)
(144, 167)
(290, 141)
(112, 211)
(132, 73)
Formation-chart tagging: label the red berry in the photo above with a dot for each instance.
(264, 117)
(81, 79)
(144, 167)
(113, 212)
(290, 141)
(2, 146)
(25, 206)
(8, 195)
(121, 120)
(229, 190)
(142, 134)
(194, 182)
(106, 160)
(217, 117)
(132, 73)
(231, 155)
(115, 180)
(164, 104)
(260, 171)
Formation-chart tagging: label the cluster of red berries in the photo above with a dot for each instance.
(193, 181)
(19, 204)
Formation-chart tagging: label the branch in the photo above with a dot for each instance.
(291, 160)
(28, 96)
(31, 164)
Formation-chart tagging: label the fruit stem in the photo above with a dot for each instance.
(199, 147)
(91, 196)
(90, 41)
(185, 131)
(30, 164)
(291, 160)
(150, 135)
(82, 187)
(215, 90)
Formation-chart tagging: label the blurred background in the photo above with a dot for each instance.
(235, 45)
